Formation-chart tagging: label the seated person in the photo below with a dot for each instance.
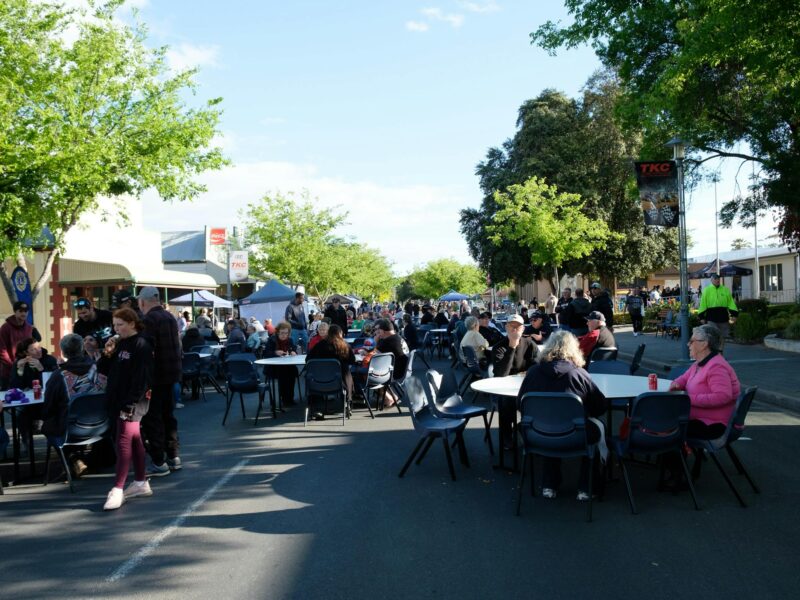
(559, 368)
(91, 348)
(281, 344)
(539, 329)
(487, 329)
(358, 322)
(269, 327)
(235, 333)
(31, 361)
(334, 346)
(427, 316)
(253, 338)
(192, 338)
(4, 439)
(410, 332)
(209, 335)
(598, 337)
(387, 340)
(441, 319)
(475, 340)
(322, 332)
(514, 353)
(316, 319)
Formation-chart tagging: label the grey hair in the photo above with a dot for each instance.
(709, 334)
(562, 345)
(323, 326)
(471, 322)
(71, 346)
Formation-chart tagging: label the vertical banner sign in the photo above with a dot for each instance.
(239, 265)
(217, 236)
(658, 192)
(22, 285)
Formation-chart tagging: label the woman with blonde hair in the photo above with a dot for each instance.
(559, 368)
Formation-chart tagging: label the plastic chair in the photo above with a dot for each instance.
(612, 367)
(324, 380)
(430, 428)
(658, 424)
(192, 371)
(243, 379)
(451, 405)
(603, 353)
(474, 371)
(398, 385)
(88, 422)
(732, 433)
(637, 359)
(209, 366)
(235, 348)
(553, 425)
(379, 376)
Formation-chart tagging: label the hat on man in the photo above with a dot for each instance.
(536, 315)
(21, 305)
(82, 303)
(149, 292)
(715, 276)
(516, 319)
(120, 297)
(595, 286)
(596, 315)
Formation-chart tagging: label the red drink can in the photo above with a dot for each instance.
(37, 390)
(652, 381)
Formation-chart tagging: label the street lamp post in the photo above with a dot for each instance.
(679, 152)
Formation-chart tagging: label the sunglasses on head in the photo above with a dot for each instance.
(81, 304)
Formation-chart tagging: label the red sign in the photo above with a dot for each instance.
(217, 237)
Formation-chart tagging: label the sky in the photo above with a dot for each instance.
(382, 109)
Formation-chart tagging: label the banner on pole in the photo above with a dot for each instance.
(22, 286)
(239, 267)
(658, 192)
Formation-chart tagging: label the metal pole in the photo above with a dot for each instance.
(684, 313)
(756, 273)
(228, 290)
(716, 225)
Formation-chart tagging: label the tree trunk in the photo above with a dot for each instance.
(556, 283)
(46, 273)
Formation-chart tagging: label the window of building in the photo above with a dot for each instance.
(771, 277)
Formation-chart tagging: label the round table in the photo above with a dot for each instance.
(12, 407)
(296, 360)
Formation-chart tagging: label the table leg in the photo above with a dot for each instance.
(15, 443)
(504, 405)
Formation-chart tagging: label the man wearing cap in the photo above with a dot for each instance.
(601, 301)
(598, 337)
(487, 329)
(159, 424)
(564, 301)
(92, 321)
(126, 299)
(717, 307)
(539, 329)
(514, 353)
(13, 331)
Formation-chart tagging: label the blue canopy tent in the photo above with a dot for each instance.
(267, 303)
(453, 296)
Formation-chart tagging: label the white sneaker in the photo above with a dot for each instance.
(138, 488)
(582, 497)
(115, 499)
(548, 493)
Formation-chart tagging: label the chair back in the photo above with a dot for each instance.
(637, 358)
(418, 405)
(242, 374)
(87, 418)
(234, 348)
(658, 422)
(603, 353)
(202, 349)
(471, 358)
(191, 364)
(409, 369)
(553, 424)
(443, 389)
(612, 367)
(248, 356)
(381, 368)
(743, 403)
(323, 376)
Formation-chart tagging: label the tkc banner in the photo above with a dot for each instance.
(658, 192)
(22, 285)
(239, 267)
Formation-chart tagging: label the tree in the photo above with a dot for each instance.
(99, 116)
(740, 244)
(547, 224)
(440, 276)
(290, 237)
(714, 72)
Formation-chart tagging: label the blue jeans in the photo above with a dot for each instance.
(300, 334)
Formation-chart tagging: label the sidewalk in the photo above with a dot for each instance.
(777, 374)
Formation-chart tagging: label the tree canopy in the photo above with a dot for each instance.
(290, 237)
(438, 277)
(713, 72)
(97, 116)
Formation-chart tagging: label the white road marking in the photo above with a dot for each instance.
(151, 546)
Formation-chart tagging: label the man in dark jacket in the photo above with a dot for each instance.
(13, 331)
(539, 329)
(92, 321)
(159, 424)
(575, 313)
(602, 301)
(487, 329)
(337, 314)
(598, 337)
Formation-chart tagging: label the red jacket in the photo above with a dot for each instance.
(11, 334)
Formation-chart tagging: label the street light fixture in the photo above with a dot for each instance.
(678, 154)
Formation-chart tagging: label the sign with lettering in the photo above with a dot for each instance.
(239, 267)
(217, 236)
(658, 192)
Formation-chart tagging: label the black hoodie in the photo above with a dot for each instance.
(564, 376)
(73, 377)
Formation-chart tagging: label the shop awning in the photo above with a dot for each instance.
(82, 272)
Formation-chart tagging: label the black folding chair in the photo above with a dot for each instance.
(324, 381)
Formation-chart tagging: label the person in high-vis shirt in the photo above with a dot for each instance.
(718, 308)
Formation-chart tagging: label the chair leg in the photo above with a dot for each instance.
(425, 449)
(449, 457)
(47, 465)
(260, 404)
(740, 467)
(228, 402)
(728, 480)
(66, 468)
(627, 480)
(462, 449)
(488, 435)
(591, 488)
(525, 459)
(411, 456)
(691, 485)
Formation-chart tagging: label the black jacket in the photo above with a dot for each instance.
(492, 335)
(508, 362)
(161, 332)
(563, 376)
(73, 377)
(394, 344)
(130, 376)
(338, 316)
(604, 304)
(101, 327)
(575, 313)
(29, 374)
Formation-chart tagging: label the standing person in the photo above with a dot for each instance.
(14, 330)
(296, 317)
(91, 320)
(718, 308)
(550, 307)
(125, 299)
(635, 304)
(337, 314)
(202, 321)
(601, 301)
(564, 301)
(159, 425)
(128, 363)
(575, 313)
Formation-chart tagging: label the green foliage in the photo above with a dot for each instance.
(749, 327)
(97, 116)
(440, 276)
(297, 242)
(755, 306)
(778, 324)
(714, 72)
(792, 331)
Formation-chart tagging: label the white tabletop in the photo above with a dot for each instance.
(215, 346)
(612, 386)
(283, 361)
(350, 339)
(439, 330)
(204, 355)
(28, 395)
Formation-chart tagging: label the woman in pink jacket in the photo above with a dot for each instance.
(711, 383)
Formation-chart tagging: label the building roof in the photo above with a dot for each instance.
(73, 271)
(743, 254)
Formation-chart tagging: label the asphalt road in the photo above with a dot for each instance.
(279, 511)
